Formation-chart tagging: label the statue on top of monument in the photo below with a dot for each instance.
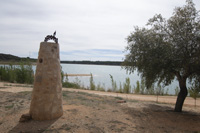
(54, 34)
(51, 37)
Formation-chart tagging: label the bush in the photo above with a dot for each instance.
(194, 91)
(137, 89)
(67, 84)
(24, 73)
(92, 84)
(176, 90)
(114, 84)
(127, 86)
(100, 87)
(20, 74)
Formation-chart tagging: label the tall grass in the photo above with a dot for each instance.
(22, 73)
(137, 88)
(92, 84)
(194, 91)
(114, 84)
(127, 86)
(124, 87)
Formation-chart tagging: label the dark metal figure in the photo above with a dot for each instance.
(54, 34)
(51, 37)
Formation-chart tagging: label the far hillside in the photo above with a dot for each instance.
(11, 58)
(7, 58)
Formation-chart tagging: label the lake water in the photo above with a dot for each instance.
(101, 75)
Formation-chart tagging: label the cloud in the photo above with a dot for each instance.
(81, 25)
(93, 55)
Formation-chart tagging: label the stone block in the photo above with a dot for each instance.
(46, 101)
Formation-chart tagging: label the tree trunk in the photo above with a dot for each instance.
(181, 96)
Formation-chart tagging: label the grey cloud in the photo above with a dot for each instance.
(80, 24)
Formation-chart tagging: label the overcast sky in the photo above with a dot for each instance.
(86, 29)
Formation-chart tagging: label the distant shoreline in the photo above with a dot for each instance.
(7, 59)
(109, 63)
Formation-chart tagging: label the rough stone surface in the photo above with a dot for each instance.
(46, 102)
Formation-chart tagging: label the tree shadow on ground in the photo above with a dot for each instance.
(32, 126)
(161, 118)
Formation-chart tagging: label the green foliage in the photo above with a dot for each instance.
(150, 91)
(67, 84)
(159, 90)
(167, 91)
(137, 89)
(127, 86)
(20, 74)
(114, 84)
(194, 91)
(166, 48)
(24, 73)
(62, 75)
(142, 86)
(92, 84)
(100, 87)
(177, 90)
(120, 88)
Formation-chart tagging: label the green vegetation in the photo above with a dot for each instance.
(137, 89)
(176, 90)
(194, 91)
(115, 63)
(167, 49)
(9, 106)
(22, 73)
(100, 87)
(127, 86)
(67, 84)
(7, 58)
(142, 87)
(114, 84)
(92, 84)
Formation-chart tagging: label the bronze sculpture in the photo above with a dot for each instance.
(51, 37)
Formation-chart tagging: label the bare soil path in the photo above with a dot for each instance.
(85, 112)
(8, 87)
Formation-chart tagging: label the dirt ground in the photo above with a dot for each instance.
(92, 113)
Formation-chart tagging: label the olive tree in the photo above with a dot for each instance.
(167, 49)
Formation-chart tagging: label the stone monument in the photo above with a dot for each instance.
(46, 101)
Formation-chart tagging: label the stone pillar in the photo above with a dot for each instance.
(46, 101)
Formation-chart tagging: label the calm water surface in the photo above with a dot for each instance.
(101, 75)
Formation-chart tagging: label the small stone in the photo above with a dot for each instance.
(25, 118)
(121, 101)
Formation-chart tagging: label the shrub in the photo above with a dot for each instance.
(113, 83)
(67, 84)
(177, 90)
(127, 86)
(92, 84)
(137, 89)
(142, 86)
(100, 87)
(194, 91)
(20, 74)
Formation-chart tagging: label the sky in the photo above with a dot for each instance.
(93, 30)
